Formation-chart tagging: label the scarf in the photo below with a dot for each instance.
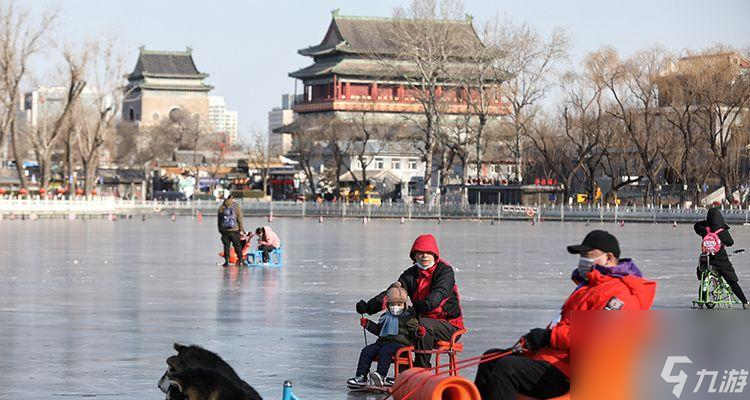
(388, 324)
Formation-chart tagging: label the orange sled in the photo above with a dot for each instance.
(233, 254)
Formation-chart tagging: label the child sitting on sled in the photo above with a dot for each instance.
(396, 328)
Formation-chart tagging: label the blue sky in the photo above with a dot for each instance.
(249, 47)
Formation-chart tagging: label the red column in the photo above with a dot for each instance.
(336, 88)
(346, 91)
(374, 91)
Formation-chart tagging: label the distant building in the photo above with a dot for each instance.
(164, 84)
(221, 120)
(217, 109)
(280, 143)
(231, 126)
(350, 80)
(43, 103)
(348, 74)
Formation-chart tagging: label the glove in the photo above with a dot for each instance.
(363, 322)
(421, 331)
(537, 338)
(361, 307)
(420, 307)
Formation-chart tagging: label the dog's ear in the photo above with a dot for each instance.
(174, 363)
(179, 347)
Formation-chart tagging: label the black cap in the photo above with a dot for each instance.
(600, 240)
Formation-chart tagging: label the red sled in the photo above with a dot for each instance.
(245, 241)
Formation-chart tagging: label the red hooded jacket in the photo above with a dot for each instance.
(433, 291)
(634, 292)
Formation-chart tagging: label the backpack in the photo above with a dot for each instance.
(229, 217)
(711, 243)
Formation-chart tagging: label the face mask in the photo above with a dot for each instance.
(420, 266)
(396, 310)
(585, 265)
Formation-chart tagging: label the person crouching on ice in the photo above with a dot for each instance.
(542, 369)
(268, 241)
(396, 328)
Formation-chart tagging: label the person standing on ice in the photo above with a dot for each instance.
(230, 227)
(542, 368)
(714, 224)
(432, 289)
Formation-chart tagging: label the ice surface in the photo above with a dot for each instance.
(91, 308)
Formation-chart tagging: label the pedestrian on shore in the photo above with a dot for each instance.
(231, 228)
(268, 241)
(541, 369)
(397, 327)
(716, 232)
(431, 286)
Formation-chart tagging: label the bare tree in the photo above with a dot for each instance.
(368, 140)
(678, 100)
(424, 46)
(258, 155)
(529, 60)
(632, 86)
(45, 135)
(308, 144)
(723, 92)
(20, 39)
(95, 120)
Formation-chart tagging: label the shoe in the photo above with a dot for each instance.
(226, 264)
(389, 381)
(359, 380)
(376, 379)
(238, 263)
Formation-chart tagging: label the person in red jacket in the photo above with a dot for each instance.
(432, 289)
(542, 369)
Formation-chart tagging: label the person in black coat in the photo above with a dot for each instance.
(715, 221)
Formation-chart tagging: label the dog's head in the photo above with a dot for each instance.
(172, 386)
(167, 384)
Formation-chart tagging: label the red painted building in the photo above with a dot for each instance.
(353, 70)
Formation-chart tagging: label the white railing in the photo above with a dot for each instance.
(606, 213)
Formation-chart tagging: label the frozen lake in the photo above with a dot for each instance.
(91, 308)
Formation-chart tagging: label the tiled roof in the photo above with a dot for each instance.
(166, 63)
(362, 35)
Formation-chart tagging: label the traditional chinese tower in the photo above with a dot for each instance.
(164, 84)
(349, 71)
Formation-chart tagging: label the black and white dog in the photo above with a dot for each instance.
(198, 374)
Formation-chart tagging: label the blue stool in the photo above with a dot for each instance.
(255, 258)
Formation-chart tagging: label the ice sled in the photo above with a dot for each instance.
(255, 258)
